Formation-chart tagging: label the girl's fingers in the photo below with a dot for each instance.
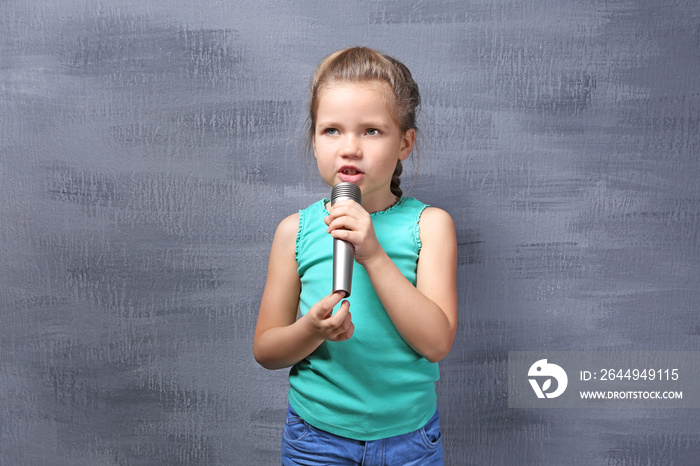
(324, 308)
(340, 324)
(345, 209)
(346, 222)
(334, 327)
(331, 301)
(343, 234)
(342, 313)
(346, 334)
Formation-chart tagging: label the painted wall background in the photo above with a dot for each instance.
(149, 148)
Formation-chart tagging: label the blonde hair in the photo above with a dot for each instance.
(362, 64)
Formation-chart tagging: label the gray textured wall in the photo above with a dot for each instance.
(148, 149)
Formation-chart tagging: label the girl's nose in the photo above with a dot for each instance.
(351, 147)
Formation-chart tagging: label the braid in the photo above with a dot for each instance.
(396, 180)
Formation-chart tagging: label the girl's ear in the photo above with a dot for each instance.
(407, 142)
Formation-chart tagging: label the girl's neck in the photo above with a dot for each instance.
(374, 207)
(377, 200)
(383, 207)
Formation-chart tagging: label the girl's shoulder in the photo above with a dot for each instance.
(436, 214)
(436, 225)
(290, 221)
(286, 233)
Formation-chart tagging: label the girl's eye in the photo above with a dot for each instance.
(372, 132)
(331, 131)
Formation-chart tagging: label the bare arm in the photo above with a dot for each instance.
(280, 339)
(424, 315)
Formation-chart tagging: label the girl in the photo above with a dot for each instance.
(362, 384)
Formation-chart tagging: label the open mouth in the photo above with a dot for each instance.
(350, 171)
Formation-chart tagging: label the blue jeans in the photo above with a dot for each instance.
(303, 444)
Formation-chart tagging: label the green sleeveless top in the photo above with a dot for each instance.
(373, 385)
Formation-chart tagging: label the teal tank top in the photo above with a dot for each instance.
(373, 385)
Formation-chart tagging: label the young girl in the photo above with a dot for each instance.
(362, 383)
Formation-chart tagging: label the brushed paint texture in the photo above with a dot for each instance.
(149, 148)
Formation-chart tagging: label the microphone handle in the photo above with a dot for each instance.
(343, 258)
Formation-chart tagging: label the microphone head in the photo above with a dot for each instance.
(346, 190)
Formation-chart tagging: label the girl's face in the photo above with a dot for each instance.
(357, 140)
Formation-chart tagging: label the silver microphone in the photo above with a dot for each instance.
(343, 251)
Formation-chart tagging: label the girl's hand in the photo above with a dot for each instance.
(350, 222)
(336, 327)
